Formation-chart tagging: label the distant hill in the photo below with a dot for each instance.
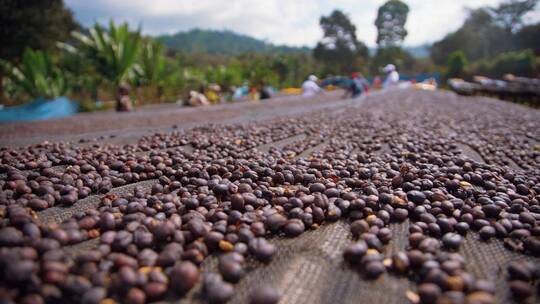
(222, 42)
(420, 51)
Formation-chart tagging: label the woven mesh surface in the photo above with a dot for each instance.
(310, 269)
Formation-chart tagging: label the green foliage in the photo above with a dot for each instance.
(151, 67)
(390, 23)
(521, 63)
(479, 37)
(36, 76)
(82, 78)
(529, 38)
(490, 31)
(113, 52)
(37, 24)
(225, 76)
(509, 14)
(222, 42)
(456, 64)
(395, 55)
(339, 47)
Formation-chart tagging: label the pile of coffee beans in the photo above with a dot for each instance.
(212, 191)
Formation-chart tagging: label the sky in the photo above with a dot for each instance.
(289, 22)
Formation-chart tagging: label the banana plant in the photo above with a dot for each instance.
(151, 65)
(36, 76)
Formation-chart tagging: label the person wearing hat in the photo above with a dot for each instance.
(392, 76)
(310, 87)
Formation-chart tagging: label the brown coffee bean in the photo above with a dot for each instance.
(520, 289)
(135, 296)
(354, 252)
(183, 277)
(265, 295)
(261, 249)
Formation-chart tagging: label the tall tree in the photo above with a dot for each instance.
(489, 31)
(37, 24)
(478, 37)
(339, 46)
(509, 14)
(456, 64)
(390, 23)
(528, 37)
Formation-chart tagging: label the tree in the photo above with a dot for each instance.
(392, 54)
(528, 37)
(488, 32)
(478, 37)
(390, 23)
(509, 14)
(456, 64)
(37, 24)
(339, 46)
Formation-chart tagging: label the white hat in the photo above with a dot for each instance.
(313, 78)
(389, 68)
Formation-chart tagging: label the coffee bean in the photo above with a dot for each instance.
(275, 222)
(520, 289)
(293, 228)
(183, 277)
(217, 291)
(522, 271)
(261, 249)
(265, 295)
(452, 241)
(317, 187)
(231, 271)
(487, 232)
(400, 262)
(358, 227)
(154, 290)
(354, 253)
(374, 269)
(416, 197)
(94, 296)
(237, 202)
(429, 293)
(10, 236)
(135, 296)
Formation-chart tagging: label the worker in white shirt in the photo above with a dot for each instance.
(392, 76)
(310, 87)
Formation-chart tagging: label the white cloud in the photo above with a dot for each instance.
(292, 22)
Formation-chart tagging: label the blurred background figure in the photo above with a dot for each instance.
(377, 83)
(392, 76)
(213, 93)
(197, 99)
(358, 85)
(123, 101)
(254, 94)
(310, 87)
(267, 92)
(240, 92)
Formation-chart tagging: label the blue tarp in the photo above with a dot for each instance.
(40, 109)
